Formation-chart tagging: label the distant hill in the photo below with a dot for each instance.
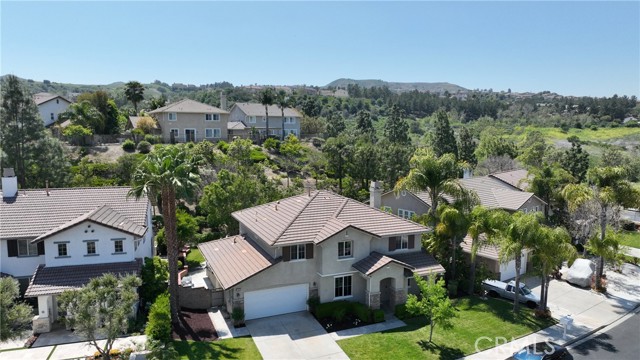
(399, 86)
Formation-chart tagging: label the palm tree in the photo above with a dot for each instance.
(134, 91)
(436, 175)
(171, 172)
(516, 233)
(453, 225)
(482, 227)
(266, 98)
(547, 183)
(609, 188)
(553, 247)
(283, 102)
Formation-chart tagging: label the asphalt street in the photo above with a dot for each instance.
(620, 343)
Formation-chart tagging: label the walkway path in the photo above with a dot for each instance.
(69, 351)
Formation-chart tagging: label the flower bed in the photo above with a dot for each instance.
(342, 315)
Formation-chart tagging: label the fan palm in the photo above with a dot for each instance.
(266, 98)
(283, 102)
(134, 91)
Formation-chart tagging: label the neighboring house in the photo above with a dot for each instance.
(494, 191)
(253, 115)
(321, 245)
(516, 178)
(50, 106)
(59, 239)
(191, 121)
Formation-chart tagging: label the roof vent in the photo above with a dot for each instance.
(9, 183)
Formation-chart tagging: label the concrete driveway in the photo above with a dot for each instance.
(293, 336)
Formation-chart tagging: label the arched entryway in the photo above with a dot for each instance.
(387, 293)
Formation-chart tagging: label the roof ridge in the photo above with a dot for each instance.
(295, 217)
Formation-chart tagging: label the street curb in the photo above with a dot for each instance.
(585, 335)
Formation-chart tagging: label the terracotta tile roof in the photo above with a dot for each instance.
(189, 106)
(41, 98)
(53, 280)
(255, 109)
(488, 252)
(422, 262)
(103, 215)
(234, 259)
(317, 216)
(33, 213)
(515, 178)
(376, 261)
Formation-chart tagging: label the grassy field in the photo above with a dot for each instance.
(194, 258)
(600, 135)
(630, 238)
(476, 318)
(236, 348)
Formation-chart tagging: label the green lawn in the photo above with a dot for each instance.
(236, 348)
(602, 134)
(630, 238)
(194, 258)
(476, 318)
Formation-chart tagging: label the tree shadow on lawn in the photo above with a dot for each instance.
(206, 350)
(444, 352)
(503, 309)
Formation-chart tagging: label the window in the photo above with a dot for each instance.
(537, 208)
(407, 214)
(52, 116)
(208, 133)
(289, 120)
(345, 249)
(251, 119)
(343, 286)
(118, 246)
(274, 132)
(298, 252)
(91, 248)
(173, 116)
(26, 248)
(291, 131)
(57, 101)
(174, 133)
(211, 117)
(402, 242)
(409, 282)
(524, 210)
(62, 250)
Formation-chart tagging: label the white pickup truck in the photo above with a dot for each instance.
(497, 288)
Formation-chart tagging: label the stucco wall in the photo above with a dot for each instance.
(531, 204)
(381, 245)
(191, 121)
(18, 266)
(54, 107)
(406, 202)
(331, 264)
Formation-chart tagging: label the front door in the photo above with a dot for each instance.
(190, 135)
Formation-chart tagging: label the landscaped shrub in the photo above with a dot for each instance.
(257, 155)
(401, 311)
(271, 144)
(128, 145)
(152, 139)
(159, 324)
(313, 303)
(362, 312)
(238, 316)
(326, 310)
(378, 316)
(144, 147)
(340, 313)
(223, 146)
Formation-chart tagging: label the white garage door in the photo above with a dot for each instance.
(276, 301)
(508, 271)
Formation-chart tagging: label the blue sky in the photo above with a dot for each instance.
(573, 48)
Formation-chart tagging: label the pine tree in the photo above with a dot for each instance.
(335, 125)
(576, 160)
(467, 147)
(444, 140)
(364, 125)
(20, 127)
(395, 128)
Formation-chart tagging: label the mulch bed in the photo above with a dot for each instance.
(349, 322)
(195, 325)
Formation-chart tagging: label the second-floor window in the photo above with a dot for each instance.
(173, 116)
(118, 246)
(402, 242)
(407, 214)
(289, 120)
(26, 248)
(298, 252)
(345, 249)
(62, 250)
(91, 247)
(211, 117)
(251, 119)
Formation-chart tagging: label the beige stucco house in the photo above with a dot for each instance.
(191, 121)
(316, 244)
(496, 191)
(253, 115)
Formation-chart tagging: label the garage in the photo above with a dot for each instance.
(276, 301)
(508, 270)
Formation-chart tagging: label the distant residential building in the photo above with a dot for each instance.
(50, 106)
(253, 115)
(191, 121)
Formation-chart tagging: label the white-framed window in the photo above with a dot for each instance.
(387, 209)
(91, 247)
(212, 133)
(118, 246)
(274, 132)
(290, 120)
(26, 248)
(175, 133)
(298, 252)
(407, 214)
(62, 250)
(57, 101)
(402, 242)
(211, 117)
(342, 286)
(172, 116)
(345, 249)
(251, 119)
(524, 210)
(291, 131)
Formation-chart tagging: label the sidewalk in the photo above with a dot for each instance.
(70, 351)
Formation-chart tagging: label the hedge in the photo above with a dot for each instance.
(378, 316)
(401, 311)
(159, 323)
(343, 307)
(128, 145)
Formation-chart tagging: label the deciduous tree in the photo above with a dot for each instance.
(433, 303)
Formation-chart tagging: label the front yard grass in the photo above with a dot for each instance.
(236, 348)
(476, 318)
(630, 238)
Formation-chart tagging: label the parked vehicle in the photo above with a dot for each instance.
(541, 351)
(497, 288)
(580, 272)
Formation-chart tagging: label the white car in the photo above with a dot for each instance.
(580, 273)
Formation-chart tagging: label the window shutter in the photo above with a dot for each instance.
(286, 253)
(309, 251)
(412, 241)
(41, 248)
(392, 243)
(12, 248)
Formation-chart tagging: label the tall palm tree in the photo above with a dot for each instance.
(453, 225)
(266, 98)
(171, 172)
(609, 188)
(134, 91)
(553, 247)
(283, 102)
(482, 227)
(436, 175)
(517, 232)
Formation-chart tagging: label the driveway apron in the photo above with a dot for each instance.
(293, 336)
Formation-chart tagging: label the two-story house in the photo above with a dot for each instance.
(59, 239)
(496, 191)
(316, 244)
(50, 106)
(191, 121)
(253, 115)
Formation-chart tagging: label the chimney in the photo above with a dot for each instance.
(375, 194)
(223, 101)
(9, 183)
